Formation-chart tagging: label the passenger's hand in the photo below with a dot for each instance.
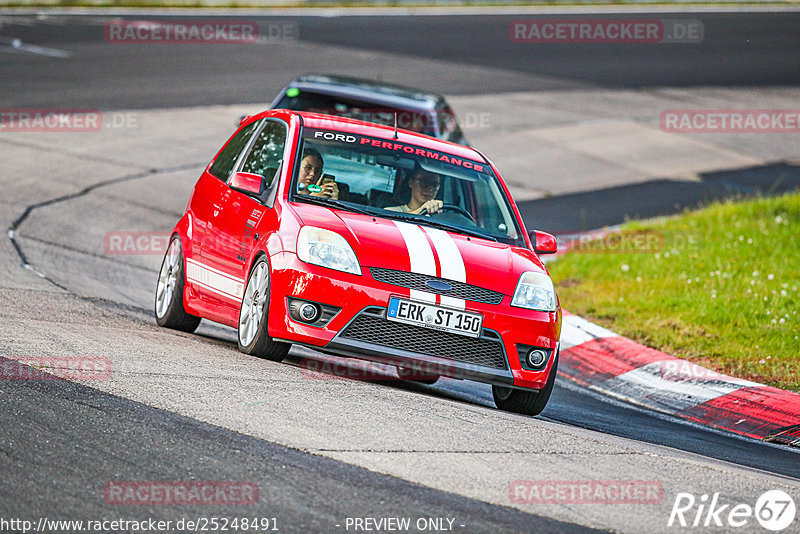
(328, 190)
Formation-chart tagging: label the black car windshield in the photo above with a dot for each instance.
(395, 179)
(303, 100)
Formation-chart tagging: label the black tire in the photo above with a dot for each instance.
(174, 315)
(527, 402)
(261, 344)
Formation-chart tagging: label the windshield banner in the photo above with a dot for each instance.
(411, 150)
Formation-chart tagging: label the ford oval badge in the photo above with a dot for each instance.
(438, 285)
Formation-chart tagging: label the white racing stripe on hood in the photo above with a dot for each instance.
(451, 261)
(420, 255)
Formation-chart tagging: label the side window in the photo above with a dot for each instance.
(267, 154)
(222, 166)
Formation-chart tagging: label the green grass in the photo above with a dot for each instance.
(721, 290)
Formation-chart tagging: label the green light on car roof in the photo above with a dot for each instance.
(293, 92)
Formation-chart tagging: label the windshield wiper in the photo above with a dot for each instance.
(438, 224)
(329, 202)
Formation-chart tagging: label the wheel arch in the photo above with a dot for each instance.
(186, 250)
(254, 258)
(258, 254)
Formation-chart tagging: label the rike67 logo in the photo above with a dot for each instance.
(774, 510)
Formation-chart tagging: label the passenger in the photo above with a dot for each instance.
(311, 174)
(424, 187)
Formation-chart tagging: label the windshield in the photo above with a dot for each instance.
(393, 179)
(417, 121)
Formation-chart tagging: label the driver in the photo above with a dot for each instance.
(424, 186)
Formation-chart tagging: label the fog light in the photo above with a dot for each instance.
(309, 312)
(536, 357)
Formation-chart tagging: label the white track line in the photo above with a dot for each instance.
(13, 45)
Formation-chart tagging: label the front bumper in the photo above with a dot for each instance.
(360, 329)
(428, 351)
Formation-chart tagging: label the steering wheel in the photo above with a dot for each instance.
(452, 207)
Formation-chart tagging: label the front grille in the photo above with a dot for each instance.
(486, 351)
(417, 281)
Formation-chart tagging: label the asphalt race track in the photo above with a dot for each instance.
(190, 407)
(749, 49)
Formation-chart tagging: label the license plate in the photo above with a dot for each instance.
(435, 317)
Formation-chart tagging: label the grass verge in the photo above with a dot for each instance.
(718, 286)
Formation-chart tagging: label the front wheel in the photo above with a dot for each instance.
(169, 309)
(253, 336)
(527, 402)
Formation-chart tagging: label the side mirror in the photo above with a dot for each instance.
(242, 119)
(246, 182)
(543, 243)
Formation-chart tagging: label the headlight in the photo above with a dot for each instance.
(326, 249)
(535, 291)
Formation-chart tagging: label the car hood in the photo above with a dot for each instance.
(404, 246)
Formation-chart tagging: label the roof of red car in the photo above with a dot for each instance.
(318, 120)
